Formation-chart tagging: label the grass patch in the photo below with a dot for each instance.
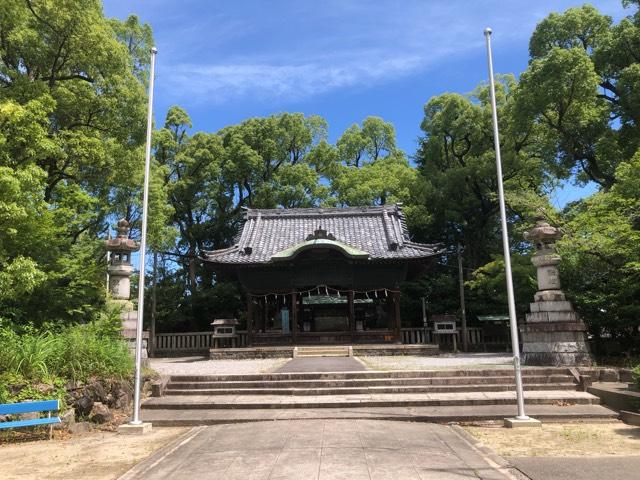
(37, 365)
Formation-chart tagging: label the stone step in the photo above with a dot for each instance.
(366, 390)
(370, 382)
(321, 354)
(371, 374)
(199, 402)
(323, 348)
(439, 414)
(322, 351)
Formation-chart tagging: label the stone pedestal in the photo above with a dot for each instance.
(135, 429)
(129, 322)
(553, 334)
(522, 422)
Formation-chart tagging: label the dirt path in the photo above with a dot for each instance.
(95, 455)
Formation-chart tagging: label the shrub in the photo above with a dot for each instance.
(15, 388)
(636, 375)
(31, 355)
(77, 352)
(91, 351)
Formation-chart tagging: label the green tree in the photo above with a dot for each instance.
(457, 162)
(581, 88)
(72, 109)
(601, 248)
(370, 169)
(359, 145)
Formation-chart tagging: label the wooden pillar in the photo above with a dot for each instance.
(397, 333)
(265, 314)
(294, 316)
(351, 315)
(249, 320)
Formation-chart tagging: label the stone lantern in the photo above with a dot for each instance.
(553, 334)
(120, 268)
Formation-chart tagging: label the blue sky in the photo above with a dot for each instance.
(226, 61)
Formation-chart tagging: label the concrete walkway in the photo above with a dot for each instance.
(321, 449)
(322, 364)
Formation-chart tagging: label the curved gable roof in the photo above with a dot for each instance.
(270, 235)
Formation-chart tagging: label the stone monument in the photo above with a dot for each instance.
(553, 334)
(120, 270)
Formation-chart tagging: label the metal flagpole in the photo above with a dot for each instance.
(505, 238)
(108, 264)
(463, 310)
(143, 245)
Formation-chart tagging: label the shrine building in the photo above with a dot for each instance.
(323, 275)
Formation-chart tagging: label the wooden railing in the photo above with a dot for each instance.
(182, 342)
(188, 342)
(412, 336)
(476, 338)
(201, 342)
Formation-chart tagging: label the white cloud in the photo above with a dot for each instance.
(223, 82)
(296, 50)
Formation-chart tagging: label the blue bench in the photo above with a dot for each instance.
(29, 407)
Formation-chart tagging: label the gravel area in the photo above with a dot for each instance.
(205, 366)
(410, 362)
(561, 440)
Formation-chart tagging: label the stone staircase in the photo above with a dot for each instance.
(438, 395)
(323, 351)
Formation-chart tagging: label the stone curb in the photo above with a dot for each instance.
(138, 470)
(158, 386)
(508, 469)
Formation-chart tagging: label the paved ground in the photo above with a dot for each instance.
(321, 449)
(322, 364)
(584, 468)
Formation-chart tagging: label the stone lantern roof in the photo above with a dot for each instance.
(544, 232)
(122, 242)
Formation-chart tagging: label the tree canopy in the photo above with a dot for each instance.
(72, 122)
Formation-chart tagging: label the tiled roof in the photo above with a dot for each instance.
(380, 231)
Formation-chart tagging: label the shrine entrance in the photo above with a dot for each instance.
(323, 315)
(323, 275)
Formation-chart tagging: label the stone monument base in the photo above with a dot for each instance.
(129, 318)
(135, 429)
(554, 334)
(521, 422)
